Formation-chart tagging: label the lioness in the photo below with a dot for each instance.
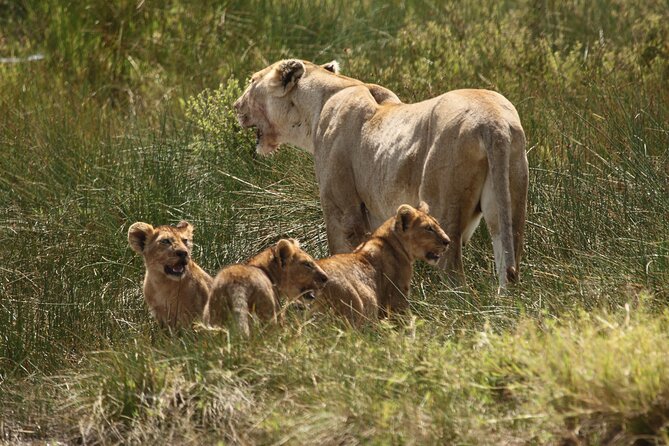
(175, 287)
(373, 281)
(257, 286)
(462, 152)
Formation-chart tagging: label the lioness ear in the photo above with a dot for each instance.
(289, 72)
(284, 249)
(333, 66)
(137, 235)
(423, 207)
(403, 217)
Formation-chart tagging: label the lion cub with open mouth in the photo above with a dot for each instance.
(175, 287)
(282, 270)
(373, 281)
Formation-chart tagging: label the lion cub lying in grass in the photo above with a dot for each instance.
(175, 287)
(373, 280)
(257, 286)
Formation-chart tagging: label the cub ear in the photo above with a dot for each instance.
(423, 207)
(289, 72)
(285, 248)
(403, 217)
(184, 226)
(295, 242)
(137, 235)
(332, 67)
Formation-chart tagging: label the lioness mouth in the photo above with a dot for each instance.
(258, 135)
(175, 270)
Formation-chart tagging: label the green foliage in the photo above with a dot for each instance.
(212, 113)
(128, 118)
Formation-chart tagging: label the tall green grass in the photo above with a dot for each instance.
(128, 118)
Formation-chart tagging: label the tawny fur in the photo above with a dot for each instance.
(283, 271)
(176, 289)
(374, 280)
(462, 152)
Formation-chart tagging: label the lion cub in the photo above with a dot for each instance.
(373, 280)
(257, 286)
(175, 287)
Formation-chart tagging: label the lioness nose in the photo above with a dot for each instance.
(238, 104)
(182, 253)
(446, 241)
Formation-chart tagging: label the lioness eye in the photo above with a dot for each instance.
(166, 241)
(185, 240)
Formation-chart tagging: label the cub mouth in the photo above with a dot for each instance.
(176, 270)
(307, 294)
(432, 256)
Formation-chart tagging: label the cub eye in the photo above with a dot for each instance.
(185, 240)
(308, 265)
(166, 241)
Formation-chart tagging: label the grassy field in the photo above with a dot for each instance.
(127, 117)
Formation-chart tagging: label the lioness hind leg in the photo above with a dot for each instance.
(459, 217)
(490, 208)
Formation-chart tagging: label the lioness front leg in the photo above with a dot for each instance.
(346, 228)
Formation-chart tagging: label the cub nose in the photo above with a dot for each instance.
(182, 253)
(321, 278)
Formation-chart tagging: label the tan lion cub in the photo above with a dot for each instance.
(175, 287)
(373, 280)
(257, 286)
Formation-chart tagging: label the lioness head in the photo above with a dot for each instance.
(166, 249)
(298, 273)
(268, 104)
(421, 234)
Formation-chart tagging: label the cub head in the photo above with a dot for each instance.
(298, 272)
(422, 236)
(166, 249)
(270, 104)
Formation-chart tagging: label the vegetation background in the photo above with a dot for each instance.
(127, 117)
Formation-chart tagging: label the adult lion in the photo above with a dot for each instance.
(462, 152)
